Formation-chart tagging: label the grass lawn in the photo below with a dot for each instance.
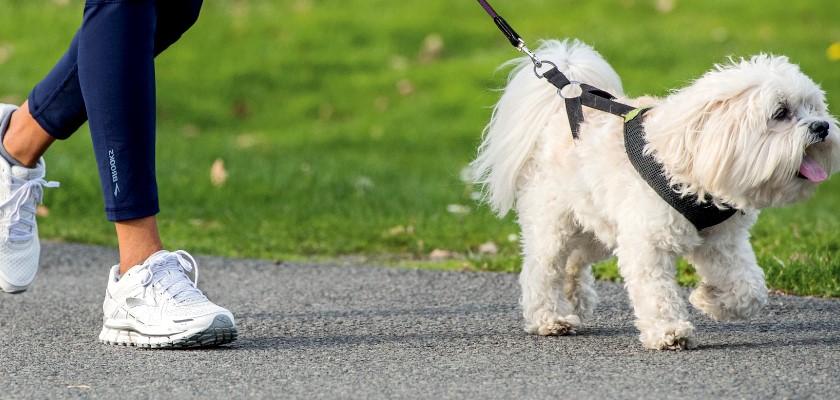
(343, 125)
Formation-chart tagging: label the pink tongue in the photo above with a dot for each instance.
(812, 170)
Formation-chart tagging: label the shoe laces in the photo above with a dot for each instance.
(170, 271)
(26, 195)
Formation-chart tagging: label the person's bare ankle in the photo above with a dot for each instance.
(136, 257)
(25, 140)
(138, 239)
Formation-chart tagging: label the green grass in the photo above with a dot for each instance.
(326, 157)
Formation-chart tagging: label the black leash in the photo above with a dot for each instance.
(588, 95)
(701, 214)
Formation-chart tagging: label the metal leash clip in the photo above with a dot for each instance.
(524, 49)
(534, 59)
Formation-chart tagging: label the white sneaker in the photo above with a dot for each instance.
(156, 304)
(21, 190)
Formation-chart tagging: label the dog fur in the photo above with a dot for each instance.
(581, 201)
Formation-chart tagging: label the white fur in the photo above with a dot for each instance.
(580, 201)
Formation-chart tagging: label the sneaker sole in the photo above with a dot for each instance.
(221, 331)
(6, 287)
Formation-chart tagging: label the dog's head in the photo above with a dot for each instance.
(755, 133)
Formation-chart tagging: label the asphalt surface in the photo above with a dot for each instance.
(336, 332)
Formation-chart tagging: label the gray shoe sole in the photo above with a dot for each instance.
(220, 332)
(12, 289)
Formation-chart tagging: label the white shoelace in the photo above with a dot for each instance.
(24, 198)
(170, 270)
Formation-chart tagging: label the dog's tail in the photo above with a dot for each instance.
(523, 112)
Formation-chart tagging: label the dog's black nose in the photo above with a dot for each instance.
(819, 128)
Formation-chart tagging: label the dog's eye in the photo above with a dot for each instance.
(781, 113)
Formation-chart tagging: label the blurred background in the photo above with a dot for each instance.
(300, 129)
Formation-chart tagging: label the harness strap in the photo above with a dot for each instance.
(701, 214)
(600, 100)
(590, 96)
(574, 111)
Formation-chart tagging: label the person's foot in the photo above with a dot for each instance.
(21, 189)
(156, 304)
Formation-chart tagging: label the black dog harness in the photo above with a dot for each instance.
(701, 214)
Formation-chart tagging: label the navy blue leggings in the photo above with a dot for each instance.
(108, 77)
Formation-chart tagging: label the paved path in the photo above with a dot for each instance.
(338, 332)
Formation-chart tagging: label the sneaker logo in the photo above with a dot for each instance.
(112, 161)
(132, 302)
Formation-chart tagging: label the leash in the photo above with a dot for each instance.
(581, 95)
(701, 214)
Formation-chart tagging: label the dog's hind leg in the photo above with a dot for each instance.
(547, 226)
(580, 284)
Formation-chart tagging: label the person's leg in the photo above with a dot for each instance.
(174, 18)
(59, 110)
(108, 75)
(57, 104)
(126, 134)
(25, 141)
(139, 238)
(116, 75)
(156, 302)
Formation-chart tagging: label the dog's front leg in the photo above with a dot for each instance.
(661, 315)
(733, 284)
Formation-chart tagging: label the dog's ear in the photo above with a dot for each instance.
(722, 131)
(698, 131)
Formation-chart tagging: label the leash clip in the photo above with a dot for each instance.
(524, 49)
(534, 59)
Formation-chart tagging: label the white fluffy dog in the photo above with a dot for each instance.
(753, 133)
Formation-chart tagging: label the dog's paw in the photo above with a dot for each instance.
(735, 304)
(556, 326)
(668, 336)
